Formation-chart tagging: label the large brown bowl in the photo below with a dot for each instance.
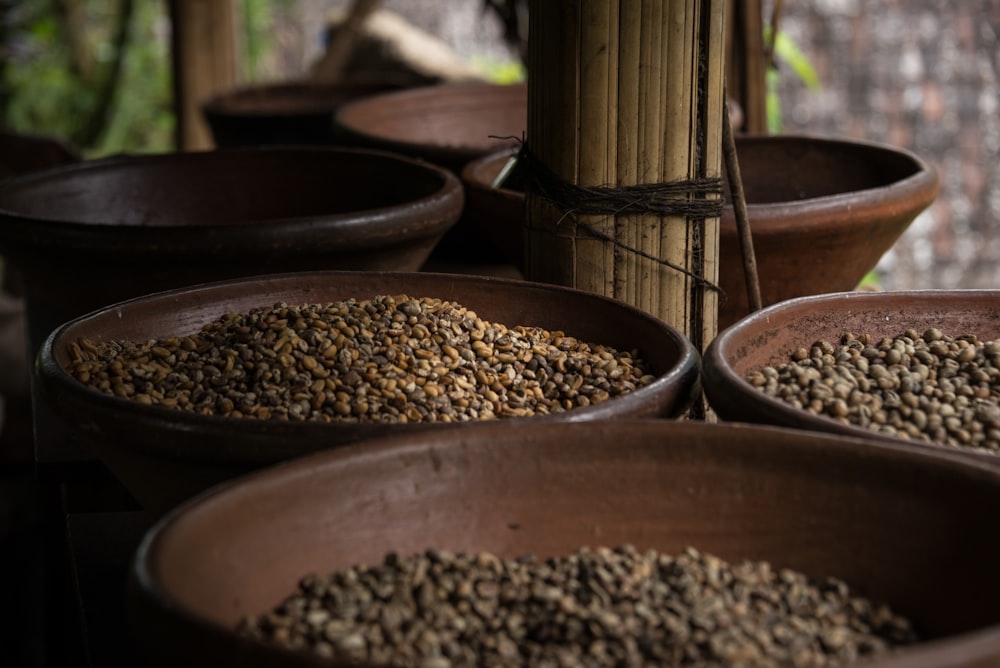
(97, 232)
(911, 528)
(164, 456)
(290, 112)
(822, 212)
(770, 336)
(447, 124)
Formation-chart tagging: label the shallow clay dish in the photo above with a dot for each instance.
(94, 233)
(820, 504)
(770, 336)
(164, 456)
(293, 112)
(822, 212)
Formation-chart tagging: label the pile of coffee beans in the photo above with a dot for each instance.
(931, 386)
(595, 607)
(389, 359)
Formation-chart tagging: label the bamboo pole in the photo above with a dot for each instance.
(624, 93)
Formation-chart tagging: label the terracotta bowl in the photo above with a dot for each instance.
(294, 112)
(449, 125)
(771, 335)
(822, 212)
(821, 504)
(164, 456)
(97, 232)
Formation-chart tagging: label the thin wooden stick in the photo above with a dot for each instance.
(739, 202)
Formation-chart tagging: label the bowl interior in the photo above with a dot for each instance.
(141, 443)
(770, 336)
(820, 504)
(220, 188)
(792, 168)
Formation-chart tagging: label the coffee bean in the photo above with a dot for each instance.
(931, 387)
(388, 359)
(596, 607)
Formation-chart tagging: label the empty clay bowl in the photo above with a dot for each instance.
(822, 212)
(907, 527)
(91, 234)
(294, 112)
(770, 336)
(164, 456)
(447, 124)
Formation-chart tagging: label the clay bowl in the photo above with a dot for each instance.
(294, 112)
(822, 504)
(447, 124)
(164, 456)
(97, 232)
(822, 212)
(771, 335)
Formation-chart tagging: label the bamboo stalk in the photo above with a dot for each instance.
(596, 157)
(652, 45)
(714, 124)
(628, 228)
(679, 100)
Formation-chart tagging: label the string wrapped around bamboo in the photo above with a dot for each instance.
(624, 93)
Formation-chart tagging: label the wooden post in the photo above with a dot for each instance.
(623, 93)
(747, 62)
(205, 62)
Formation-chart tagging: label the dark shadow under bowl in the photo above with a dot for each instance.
(911, 528)
(293, 112)
(164, 456)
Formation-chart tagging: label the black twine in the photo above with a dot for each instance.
(693, 199)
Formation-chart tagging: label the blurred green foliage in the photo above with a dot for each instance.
(45, 94)
(787, 53)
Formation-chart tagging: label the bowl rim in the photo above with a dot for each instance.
(955, 650)
(684, 374)
(431, 213)
(457, 155)
(923, 183)
(718, 374)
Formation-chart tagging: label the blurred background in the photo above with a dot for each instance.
(917, 74)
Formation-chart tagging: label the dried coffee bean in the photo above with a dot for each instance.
(388, 359)
(931, 387)
(595, 607)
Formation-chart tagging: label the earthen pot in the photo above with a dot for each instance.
(449, 125)
(911, 528)
(164, 456)
(293, 112)
(770, 336)
(94, 233)
(822, 212)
